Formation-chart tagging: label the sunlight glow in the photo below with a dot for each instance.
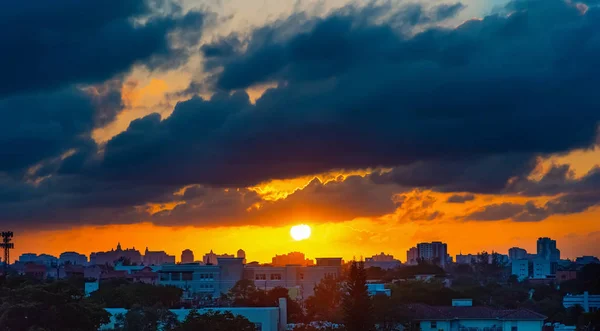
(300, 232)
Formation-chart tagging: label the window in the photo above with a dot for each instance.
(186, 276)
(210, 276)
(175, 276)
(275, 276)
(260, 277)
(514, 328)
(434, 325)
(164, 276)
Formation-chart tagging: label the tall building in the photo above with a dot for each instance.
(435, 252)
(517, 253)
(114, 255)
(546, 249)
(73, 258)
(212, 258)
(187, 256)
(157, 258)
(412, 256)
(293, 258)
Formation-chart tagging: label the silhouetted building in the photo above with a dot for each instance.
(517, 253)
(412, 256)
(295, 258)
(241, 255)
(157, 258)
(583, 260)
(434, 252)
(130, 254)
(212, 258)
(187, 256)
(382, 261)
(546, 249)
(73, 258)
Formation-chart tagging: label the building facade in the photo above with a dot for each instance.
(434, 252)
(157, 258)
(382, 261)
(212, 258)
(187, 256)
(293, 258)
(546, 249)
(114, 255)
(412, 256)
(589, 303)
(517, 253)
(303, 278)
(73, 258)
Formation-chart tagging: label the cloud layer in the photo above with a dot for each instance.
(464, 111)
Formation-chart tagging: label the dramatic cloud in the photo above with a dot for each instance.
(52, 44)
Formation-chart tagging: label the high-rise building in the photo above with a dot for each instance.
(436, 252)
(546, 249)
(517, 253)
(187, 256)
(412, 256)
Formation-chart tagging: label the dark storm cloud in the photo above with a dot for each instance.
(51, 44)
(462, 109)
(460, 198)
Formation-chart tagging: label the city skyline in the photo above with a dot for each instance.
(229, 123)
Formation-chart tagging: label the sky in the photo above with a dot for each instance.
(218, 125)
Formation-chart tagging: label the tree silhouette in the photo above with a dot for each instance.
(357, 305)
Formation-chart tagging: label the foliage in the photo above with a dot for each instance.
(215, 321)
(54, 306)
(325, 303)
(125, 294)
(245, 294)
(146, 319)
(356, 303)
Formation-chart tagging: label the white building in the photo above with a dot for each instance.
(468, 318)
(73, 258)
(264, 318)
(589, 303)
(541, 268)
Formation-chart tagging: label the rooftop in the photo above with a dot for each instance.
(426, 312)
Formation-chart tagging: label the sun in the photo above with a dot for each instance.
(300, 232)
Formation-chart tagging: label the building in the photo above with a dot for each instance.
(565, 275)
(45, 259)
(157, 258)
(382, 261)
(28, 258)
(434, 252)
(303, 278)
(264, 318)
(114, 255)
(522, 269)
(187, 256)
(542, 268)
(241, 255)
(546, 249)
(589, 303)
(378, 289)
(203, 280)
(293, 258)
(412, 256)
(212, 258)
(73, 258)
(517, 253)
(469, 318)
(583, 260)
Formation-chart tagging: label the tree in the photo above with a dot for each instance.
(215, 321)
(125, 294)
(245, 294)
(50, 307)
(325, 303)
(140, 318)
(358, 310)
(385, 313)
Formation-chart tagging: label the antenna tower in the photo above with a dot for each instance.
(7, 246)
